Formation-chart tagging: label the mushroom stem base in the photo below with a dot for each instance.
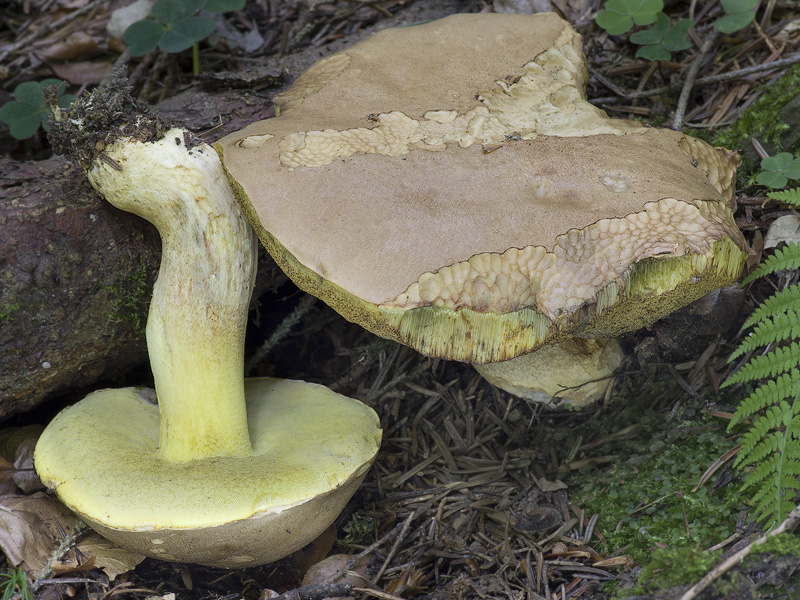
(573, 373)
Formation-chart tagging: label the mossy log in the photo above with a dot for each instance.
(76, 273)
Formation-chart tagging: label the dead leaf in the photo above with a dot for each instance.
(334, 569)
(83, 72)
(7, 470)
(75, 46)
(113, 559)
(551, 486)
(783, 230)
(72, 567)
(29, 529)
(17, 444)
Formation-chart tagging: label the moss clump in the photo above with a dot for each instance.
(780, 544)
(671, 567)
(8, 309)
(764, 121)
(130, 297)
(647, 500)
(644, 499)
(356, 530)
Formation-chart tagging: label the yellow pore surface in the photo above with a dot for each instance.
(100, 457)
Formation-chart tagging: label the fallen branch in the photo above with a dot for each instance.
(691, 76)
(790, 523)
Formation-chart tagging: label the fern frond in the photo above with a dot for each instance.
(759, 433)
(772, 364)
(779, 303)
(788, 196)
(772, 443)
(783, 260)
(770, 393)
(769, 331)
(764, 473)
(759, 448)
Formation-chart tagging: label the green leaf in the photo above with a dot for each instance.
(660, 40)
(24, 116)
(792, 170)
(143, 37)
(29, 92)
(65, 100)
(613, 22)
(653, 53)
(645, 11)
(772, 179)
(23, 119)
(783, 259)
(778, 170)
(777, 162)
(676, 40)
(734, 6)
(223, 6)
(186, 33)
(738, 14)
(170, 12)
(655, 34)
(618, 16)
(788, 196)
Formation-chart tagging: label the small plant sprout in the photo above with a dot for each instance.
(738, 14)
(15, 585)
(778, 170)
(25, 114)
(177, 26)
(619, 16)
(661, 40)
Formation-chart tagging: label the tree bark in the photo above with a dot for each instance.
(76, 274)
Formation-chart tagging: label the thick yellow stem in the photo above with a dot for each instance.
(198, 315)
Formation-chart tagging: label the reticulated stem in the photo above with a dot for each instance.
(196, 325)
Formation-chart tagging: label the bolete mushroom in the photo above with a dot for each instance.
(449, 187)
(223, 471)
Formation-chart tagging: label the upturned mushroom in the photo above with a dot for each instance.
(449, 187)
(221, 471)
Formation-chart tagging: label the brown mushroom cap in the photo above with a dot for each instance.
(480, 208)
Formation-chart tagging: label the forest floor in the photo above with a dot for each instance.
(477, 493)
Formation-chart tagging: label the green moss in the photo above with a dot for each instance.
(358, 529)
(8, 309)
(761, 120)
(670, 567)
(780, 544)
(129, 297)
(646, 499)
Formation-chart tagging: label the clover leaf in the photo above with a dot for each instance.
(660, 41)
(25, 115)
(738, 14)
(177, 25)
(778, 170)
(619, 16)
